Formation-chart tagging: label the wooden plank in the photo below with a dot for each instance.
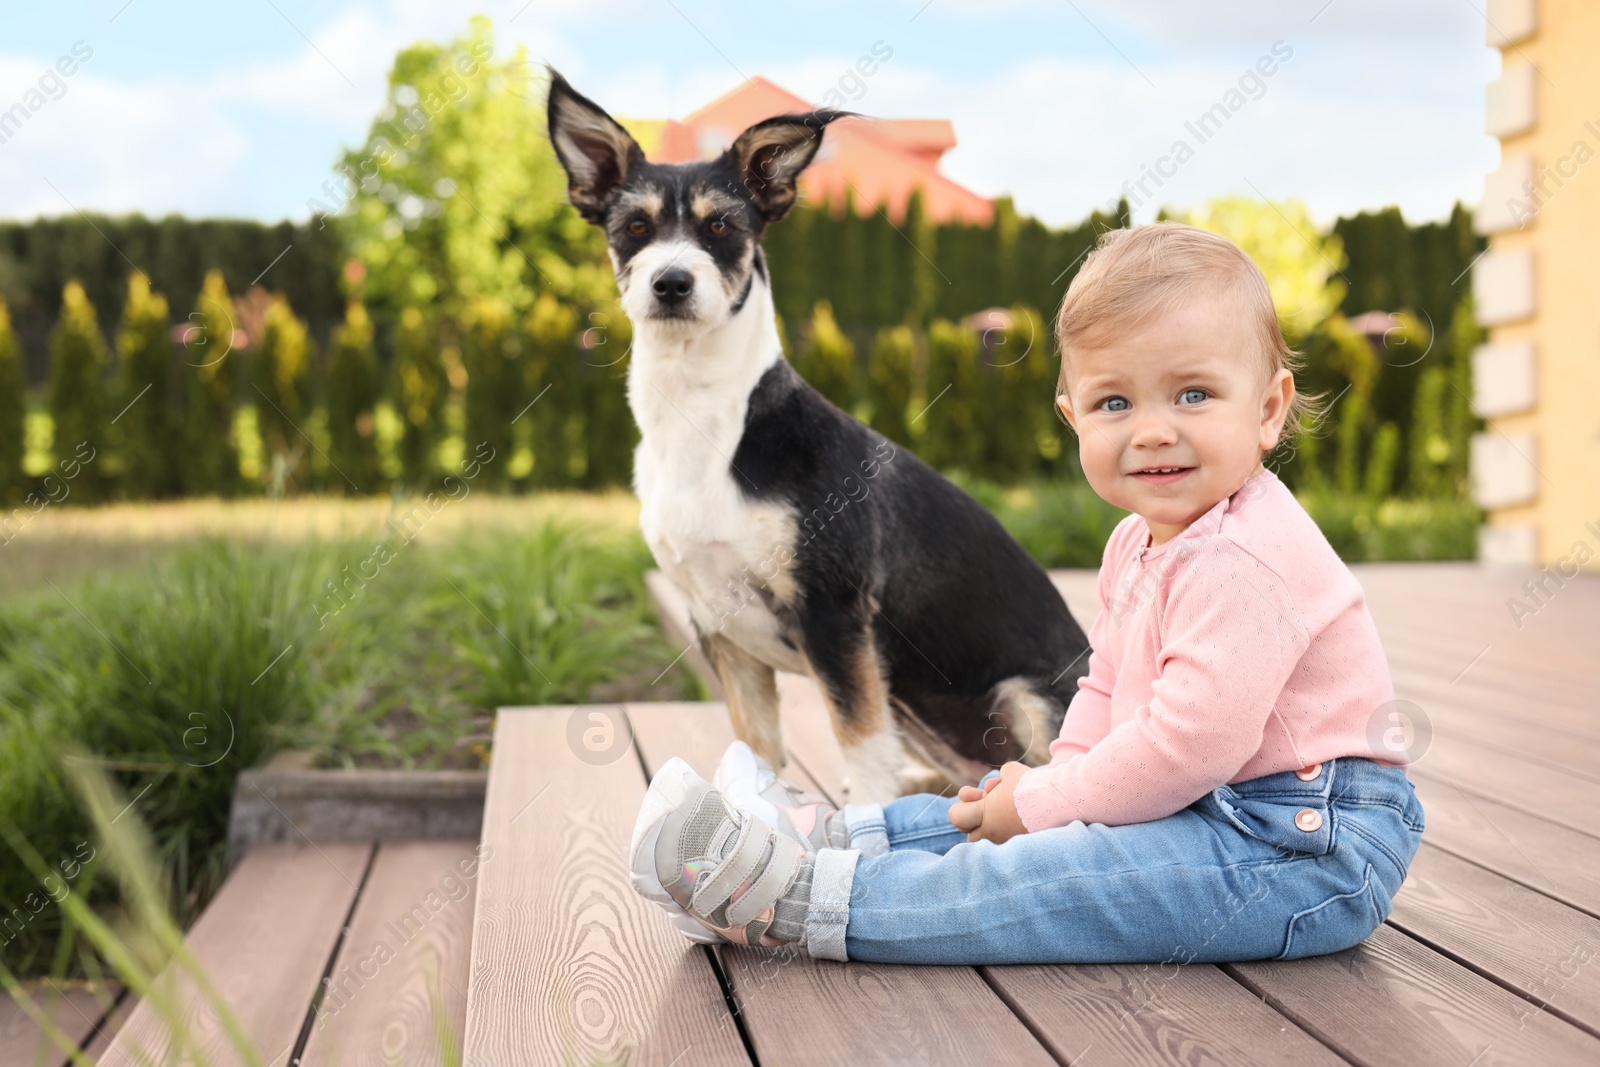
(798, 1010)
(1537, 946)
(1547, 858)
(1525, 706)
(264, 941)
(1540, 790)
(75, 1011)
(398, 990)
(1152, 1014)
(1392, 1000)
(569, 963)
(1543, 744)
(110, 1026)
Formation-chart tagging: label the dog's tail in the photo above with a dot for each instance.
(1023, 715)
(1026, 714)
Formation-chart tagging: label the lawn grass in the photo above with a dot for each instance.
(313, 626)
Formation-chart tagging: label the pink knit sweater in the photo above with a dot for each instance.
(1239, 648)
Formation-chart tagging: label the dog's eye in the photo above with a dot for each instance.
(717, 226)
(638, 227)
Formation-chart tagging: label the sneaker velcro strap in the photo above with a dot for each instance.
(769, 885)
(735, 868)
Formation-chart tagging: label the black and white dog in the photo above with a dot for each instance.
(803, 540)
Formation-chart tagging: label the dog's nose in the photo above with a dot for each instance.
(673, 285)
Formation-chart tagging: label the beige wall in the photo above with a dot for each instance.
(1537, 466)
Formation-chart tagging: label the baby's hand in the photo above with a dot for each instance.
(990, 814)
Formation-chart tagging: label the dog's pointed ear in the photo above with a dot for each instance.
(771, 154)
(594, 149)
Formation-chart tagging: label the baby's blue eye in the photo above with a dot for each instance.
(1197, 400)
(1114, 400)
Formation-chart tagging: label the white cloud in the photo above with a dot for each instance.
(114, 147)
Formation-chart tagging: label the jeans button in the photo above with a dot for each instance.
(1305, 774)
(1308, 819)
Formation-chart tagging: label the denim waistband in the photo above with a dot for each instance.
(1345, 778)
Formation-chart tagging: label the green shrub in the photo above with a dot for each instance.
(149, 440)
(420, 390)
(953, 437)
(210, 463)
(283, 361)
(891, 385)
(827, 359)
(1060, 523)
(351, 397)
(1362, 531)
(13, 410)
(78, 363)
(490, 351)
(554, 425)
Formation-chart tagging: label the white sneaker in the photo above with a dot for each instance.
(751, 785)
(718, 872)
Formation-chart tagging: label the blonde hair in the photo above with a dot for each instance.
(1136, 275)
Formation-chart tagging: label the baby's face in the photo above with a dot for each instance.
(1185, 391)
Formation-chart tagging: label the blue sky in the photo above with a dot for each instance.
(240, 108)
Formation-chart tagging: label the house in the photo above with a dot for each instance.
(880, 161)
(1536, 467)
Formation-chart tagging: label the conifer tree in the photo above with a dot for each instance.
(490, 352)
(827, 359)
(1378, 479)
(148, 436)
(1462, 422)
(13, 410)
(351, 397)
(420, 391)
(78, 403)
(954, 438)
(282, 391)
(611, 432)
(890, 376)
(210, 463)
(559, 394)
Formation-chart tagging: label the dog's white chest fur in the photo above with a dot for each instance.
(709, 538)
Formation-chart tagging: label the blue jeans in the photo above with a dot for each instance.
(1277, 867)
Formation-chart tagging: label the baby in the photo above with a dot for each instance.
(1220, 789)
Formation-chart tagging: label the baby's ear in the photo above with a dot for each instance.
(1064, 405)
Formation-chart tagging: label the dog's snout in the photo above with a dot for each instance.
(673, 285)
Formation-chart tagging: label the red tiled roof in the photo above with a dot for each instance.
(880, 160)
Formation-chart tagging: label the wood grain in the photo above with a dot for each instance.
(1153, 1014)
(1539, 946)
(1558, 796)
(569, 963)
(1550, 859)
(397, 993)
(1392, 1000)
(264, 941)
(75, 1011)
(798, 1010)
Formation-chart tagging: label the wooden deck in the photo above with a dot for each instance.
(1491, 954)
